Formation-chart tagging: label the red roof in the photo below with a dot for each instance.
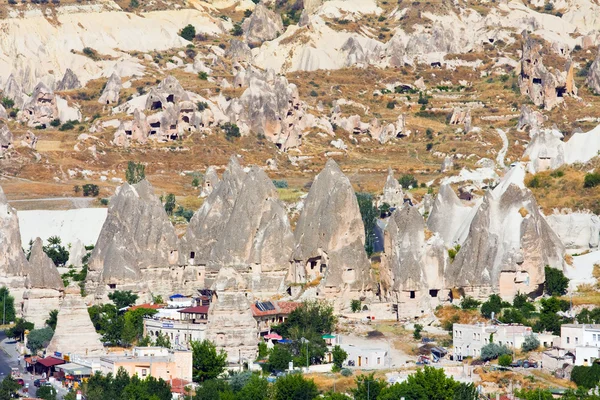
(147, 305)
(195, 310)
(50, 361)
(178, 385)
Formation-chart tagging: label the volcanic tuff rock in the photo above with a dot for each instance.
(545, 151)
(76, 253)
(508, 246)
(593, 78)
(210, 182)
(330, 238)
(262, 25)
(577, 230)
(13, 91)
(136, 247)
(14, 266)
(69, 81)
(3, 113)
(238, 51)
(75, 333)
(6, 140)
(450, 217)
(257, 239)
(392, 191)
(231, 326)
(412, 269)
(44, 287)
(42, 108)
(110, 94)
(208, 223)
(530, 118)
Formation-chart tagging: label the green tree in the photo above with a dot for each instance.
(556, 282)
(207, 363)
(231, 131)
(170, 203)
(135, 172)
(196, 182)
(384, 210)
(279, 358)
(295, 387)
(408, 181)
(18, 329)
(188, 32)
(469, 303)
(123, 298)
(531, 343)
(256, 388)
(369, 214)
(7, 103)
(237, 30)
(505, 360)
(38, 339)
(52, 320)
(133, 324)
(549, 320)
(8, 388)
(494, 304)
(491, 351)
(213, 389)
(335, 396)
(89, 189)
(417, 332)
(163, 341)
(534, 394)
(339, 356)
(46, 393)
(367, 387)
(7, 306)
(56, 251)
(355, 305)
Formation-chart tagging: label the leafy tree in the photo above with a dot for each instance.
(107, 322)
(38, 339)
(7, 306)
(163, 341)
(491, 351)
(408, 181)
(135, 172)
(18, 330)
(512, 316)
(367, 387)
(256, 388)
(56, 251)
(239, 380)
(133, 324)
(339, 356)
(534, 394)
(591, 179)
(213, 389)
(7, 103)
(263, 351)
(417, 332)
(280, 183)
(8, 388)
(231, 131)
(123, 298)
(369, 214)
(170, 203)
(384, 210)
(295, 387)
(355, 305)
(237, 30)
(505, 360)
(206, 362)
(46, 393)
(195, 182)
(188, 32)
(556, 282)
(531, 343)
(89, 189)
(549, 320)
(494, 304)
(335, 396)
(469, 303)
(279, 358)
(521, 302)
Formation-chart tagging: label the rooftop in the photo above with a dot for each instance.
(585, 326)
(195, 310)
(264, 308)
(151, 306)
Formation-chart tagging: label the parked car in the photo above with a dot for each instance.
(39, 382)
(524, 364)
(20, 381)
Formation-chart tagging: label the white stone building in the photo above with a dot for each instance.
(583, 339)
(365, 357)
(469, 339)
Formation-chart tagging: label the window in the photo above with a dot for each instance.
(144, 372)
(594, 337)
(433, 292)
(192, 255)
(378, 360)
(576, 340)
(112, 285)
(568, 340)
(412, 294)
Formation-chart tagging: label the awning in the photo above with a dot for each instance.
(285, 341)
(273, 336)
(330, 336)
(75, 369)
(50, 361)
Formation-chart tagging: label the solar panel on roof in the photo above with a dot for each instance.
(269, 306)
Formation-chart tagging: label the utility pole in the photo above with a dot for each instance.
(4, 310)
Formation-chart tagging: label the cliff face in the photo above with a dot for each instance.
(330, 239)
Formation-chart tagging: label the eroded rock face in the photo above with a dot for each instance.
(238, 51)
(412, 269)
(14, 266)
(137, 246)
(76, 253)
(593, 78)
(530, 118)
(577, 230)
(392, 191)
(545, 151)
(211, 180)
(231, 326)
(13, 91)
(69, 81)
(450, 217)
(257, 240)
(110, 94)
(330, 239)
(6, 140)
(44, 287)
(508, 246)
(41, 108)
(75, 333)
(262, 25)
(544, 87)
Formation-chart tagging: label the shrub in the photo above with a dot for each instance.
(429, 146)
(170, 204)
(89, 189)
(195, 182)
(469, 303)
(423, 100)
(202, 76)
(134, 4)
(104, 201)
(67, 126)
(237, 30)
(417, 332)
(530, 343)
(453, 252)
(391, 105)
(231, 131)
(505, 360)
(7, 103)
(135, 172)
(55, 122)
(548, 6)
(586, 377)
(534, 182)
(492, 351)
(408, 181)
(346, 372)
(188, 32)
(493, 305)
(313, 93)
(355, 305)
(556, 282)
(591, 180)
(202, 105)
(280, 183)
(91, 53)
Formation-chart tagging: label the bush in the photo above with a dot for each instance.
(231, 131)
(591, 180)
(548, 6)
(170, 204)
(7, 103)
(408, 181)
(280, 183)
(91, 53)
(188, 33)
(202, 76)
(346, 372)
(134, 4)
(469, 303)
(505, 360)
(417, 332)
(492, 351)
(391, 105)
(493, 305)
(586, 377)
(67, 126)
(202, 105)
(104, 201)
(135, 172)
(237, 30)
(279, 358)
(556, 282)
(453, 252)
(55, 122)
(531, 343)
(38, 339)
(534, 182)
(89, 189)
(313, 93)
(423, 100)
(355, 305)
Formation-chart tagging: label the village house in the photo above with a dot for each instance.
(583, 340)
(269, 313)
